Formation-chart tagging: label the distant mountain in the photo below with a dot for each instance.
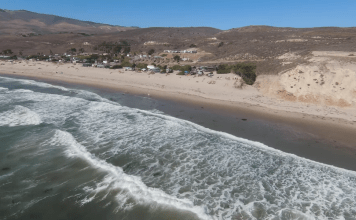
(26, 22)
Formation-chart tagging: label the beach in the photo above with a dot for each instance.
(86, 151)
(217, 92)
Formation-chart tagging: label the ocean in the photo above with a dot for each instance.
(72, 154)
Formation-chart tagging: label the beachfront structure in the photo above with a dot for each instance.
(156, 70)
(149, 67)
(100, 66)
(180, 51)
(4, 57)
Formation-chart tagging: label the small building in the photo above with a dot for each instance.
(4, 57)
(149, 67)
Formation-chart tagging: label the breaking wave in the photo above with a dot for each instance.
(19, 116)
(150, 158)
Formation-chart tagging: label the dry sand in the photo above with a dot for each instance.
(271, 97)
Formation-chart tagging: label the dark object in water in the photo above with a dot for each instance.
(5, 168)
(48, 190)
(244, 119)
(157, 174)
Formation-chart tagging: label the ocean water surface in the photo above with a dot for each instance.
(72, 154)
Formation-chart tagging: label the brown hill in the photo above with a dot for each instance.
(34, 33)
(22, 22)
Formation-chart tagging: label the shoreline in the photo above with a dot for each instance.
(334, 123)
(287, 133)
(314, 120)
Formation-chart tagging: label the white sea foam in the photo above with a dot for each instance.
(21, 90)
(19, 116)
(231, 177)
(192, 166)
(117, 179)
(32, 82)
(2, 89)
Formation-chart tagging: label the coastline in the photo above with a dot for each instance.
(334, 138)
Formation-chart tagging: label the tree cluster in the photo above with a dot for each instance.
(247, 71)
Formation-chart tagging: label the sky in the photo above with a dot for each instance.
(224, 14)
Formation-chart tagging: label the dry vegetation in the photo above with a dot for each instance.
(34, 33)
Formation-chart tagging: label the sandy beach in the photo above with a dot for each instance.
(216, 93)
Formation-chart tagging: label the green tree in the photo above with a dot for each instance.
(193, 45)
(73, 50)
(81, 50)
(50, 52)
(176, 58)
(141, 65)
(127, 50)
(7, 52)
(150, 52)
(220, 44)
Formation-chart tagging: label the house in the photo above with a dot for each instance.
(149, 67)
(4, 57)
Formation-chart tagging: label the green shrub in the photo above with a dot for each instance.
(176, 58)
(141, 65)
(182, 68)
(126, 64)
(181, 73)
(247, 71)
(224, 68)
(151, 51)
(116, 67)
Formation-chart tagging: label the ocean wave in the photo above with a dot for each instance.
(178, 163)
(230, 177)
(134, 190)
(19, 116)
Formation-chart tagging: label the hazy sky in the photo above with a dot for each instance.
(223, 14)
